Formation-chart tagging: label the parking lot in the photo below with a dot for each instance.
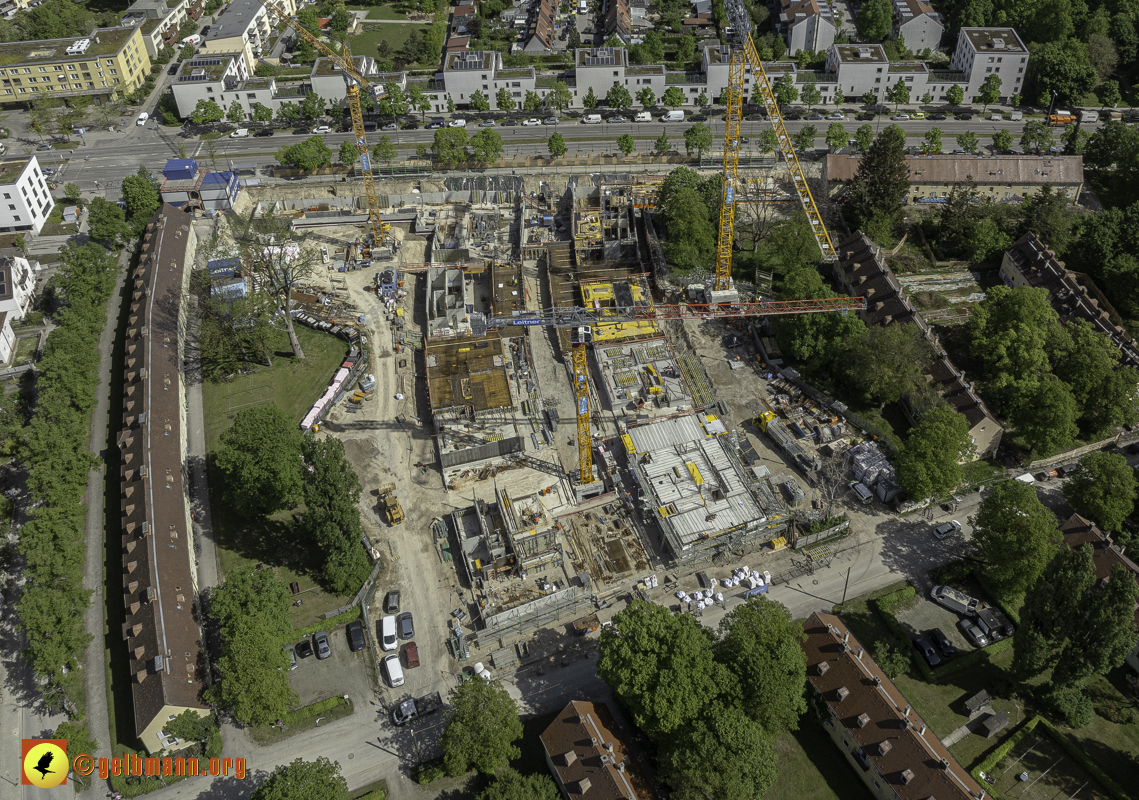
(926, 614)
(344, 672)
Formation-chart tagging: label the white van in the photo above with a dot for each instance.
(240, 133)
(643, 116)
(1089, 116)
(142, 118)
(392, 670)
(1016, 116)
(194, 39)
(672, 116)
(591, 119)
(388, 639)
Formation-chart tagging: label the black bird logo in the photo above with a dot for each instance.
(42, 765)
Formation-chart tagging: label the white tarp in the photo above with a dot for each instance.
(329, 395)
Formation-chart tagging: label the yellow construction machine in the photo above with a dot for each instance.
(390, 504)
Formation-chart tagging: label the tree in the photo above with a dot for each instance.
(251, 685)
(417, 100)
(1109, 94)
(259, 456)
(532, 101)
(394, 103)
(504, 101)
(557, 145)
(931, 145)
(1002, 140)
(702, 99)
(662, 145)
(1015, 537)
(811, 94)
(1046, 420)
(804, 139)
(864, 137)
(793, 244)
(955, 95)
(673, 97)
(332, 514)
(312, 106)
(486, 146)
(1075, 140)
(618, 97)
(348, 152)
(869, 98)
(767, 141)
(662, 668)
(926, 99)
(289, 112)
(1008, 331)
(626, 144)
(450, 146)
(140, 195)
(761, 646)
(885, 363)
(874, 20)
(839, 96)
(882, 180)
(310, 154)
(784, 89)
(235, 113)
(304, 780)
(1103, 489)
(968, 142)
(79, 740)
(836, 136)
(483, 727)
(898, 93)
(1088, 363)
(1049, 606)
(512, 785)
(71, 191)
(1102, 54)
(590, 100)
(106, 220)
(990, 91)
(722, 755)
(893, 660)
(187, 52)
(190, 726)
(559, 96)
(647, 97)
(928, 461)
(340, 21)
(261, 112)
(205, 112)
(574, 40)
(691, 238)
(1063, 67)
(384, 150)
(698, 138)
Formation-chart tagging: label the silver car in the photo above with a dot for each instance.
(320, 643)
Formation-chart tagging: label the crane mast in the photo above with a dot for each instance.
(355, 83)
(744, 54)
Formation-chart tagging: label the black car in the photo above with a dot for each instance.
(813, 116)
(509, 123)
(942, 643)
(304, 648)
(205, 31)
(411, 126)
(792, 117)
(302, 132)
(865, 115)
(173, 68)
(355, 631)
(936, 116)
(755, 117)
(965, 116)
(403, 624)
(391, 602)
(264, 132)
(922, 645)
(698, 118)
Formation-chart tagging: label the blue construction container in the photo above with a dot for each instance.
(178, 169)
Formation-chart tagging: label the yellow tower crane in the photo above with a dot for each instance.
(743, 55)
(355, 84)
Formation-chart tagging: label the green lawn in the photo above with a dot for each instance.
(25, 349)
(293, 386)
(812, 768)
(379, 12)
(365, 44)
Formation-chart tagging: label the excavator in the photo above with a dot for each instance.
(393, 511)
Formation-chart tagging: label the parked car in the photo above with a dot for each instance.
(835, 115)
(698, 118)
(392, 670)
(947, 529)
(996, 117)
(973, 633)
(458, 123)
(487, 123)
(942, 643)
(918, 115)
(406, 627)
(509, 123)
(291, 652)
(965, 115)
(922, 645)
(938, 117)
(792, 117)
(388, 638)
(304, 648)
(411, 655)
(531, 121)
(550, 121)
(813, 117)
(320, 642)
(355, 631)
(755, 117)
(391, 126)
(391, 602)
(205, 31)
(865, 115)
(302, 131)
(954, 600)
(43, 147)
(899, 117)
(436, 124)
(322, 129)
(48, 171)
(173, 68)
(618, 119)
(411, 126)
(264, 132)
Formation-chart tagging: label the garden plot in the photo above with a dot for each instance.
(1049, 771)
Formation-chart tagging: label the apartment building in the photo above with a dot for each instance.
(598, 68)
(918, 24)
(540, 28)
(873, 725)
(161, 20)
(243, 26)
(982, 52)
(465, 73)
(1003, 179)
(862, 270)
(586, 758)
(103, 66)
(1029, 262)
(806, 25)
(618, 19)
(8, 8)
(159, 571)
(17, 289)
(25, 198)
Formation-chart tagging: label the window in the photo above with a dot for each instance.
(879, 69)
(1023, 60)
(58, 68)
(75, 76)
(998, 60)
(114, 72)
(11, 207)
(988, 69)
(32, 80)
(23, 91)
(516, 84)
(877, 80)
(615, 74)
(1021, 69)
(7, 196)
(43, 69)
(17, 218)
(27, 71)
(990, 59)
(110, 63)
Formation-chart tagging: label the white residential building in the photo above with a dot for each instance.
(807, 25)
(244, 26)
(25, 200)
(982, 52)
(918, 24)
(17, 287)
(161, 20)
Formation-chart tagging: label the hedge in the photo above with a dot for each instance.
(1001, 751)
(972, 658)
(430, 771)
(315, 709)
(333, 622)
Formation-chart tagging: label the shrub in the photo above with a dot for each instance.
(1070, 704)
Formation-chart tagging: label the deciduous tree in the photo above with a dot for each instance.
(259, 455)
(557, 145)
(505, 102)
(673, 97)
(955, 95)
(304, 780)
(662, 145)
(928, 461)
(348, 152)
(106, 220)
(483, 727)
(804, 139)
(931, 145)
(647, 97)
(512, 785)
(836, 136)
(590, 100)
(990, 91)
(1015, 537)
(559, 96)
(626, 144)
(886, 362)
(898, 93)
(874, 19)
(723, 755)
(384, 150)
(811, 94)
(1103, 489)
(1036, 136)
(967, 141)
(206, 111)
(1002, 140)
(141, 197)
(698, 138)
(486, 146)
(618, 97)
(450, 146)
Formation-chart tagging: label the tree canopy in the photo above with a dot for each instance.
(1103, 489)
(927, 464)
(881, 183)
(1015, 536)
(260, 458)
(304, 780)
(512, 785)
(482, 729)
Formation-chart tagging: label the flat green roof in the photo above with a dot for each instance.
(10, 169)
(150, 25)
(111, 41)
